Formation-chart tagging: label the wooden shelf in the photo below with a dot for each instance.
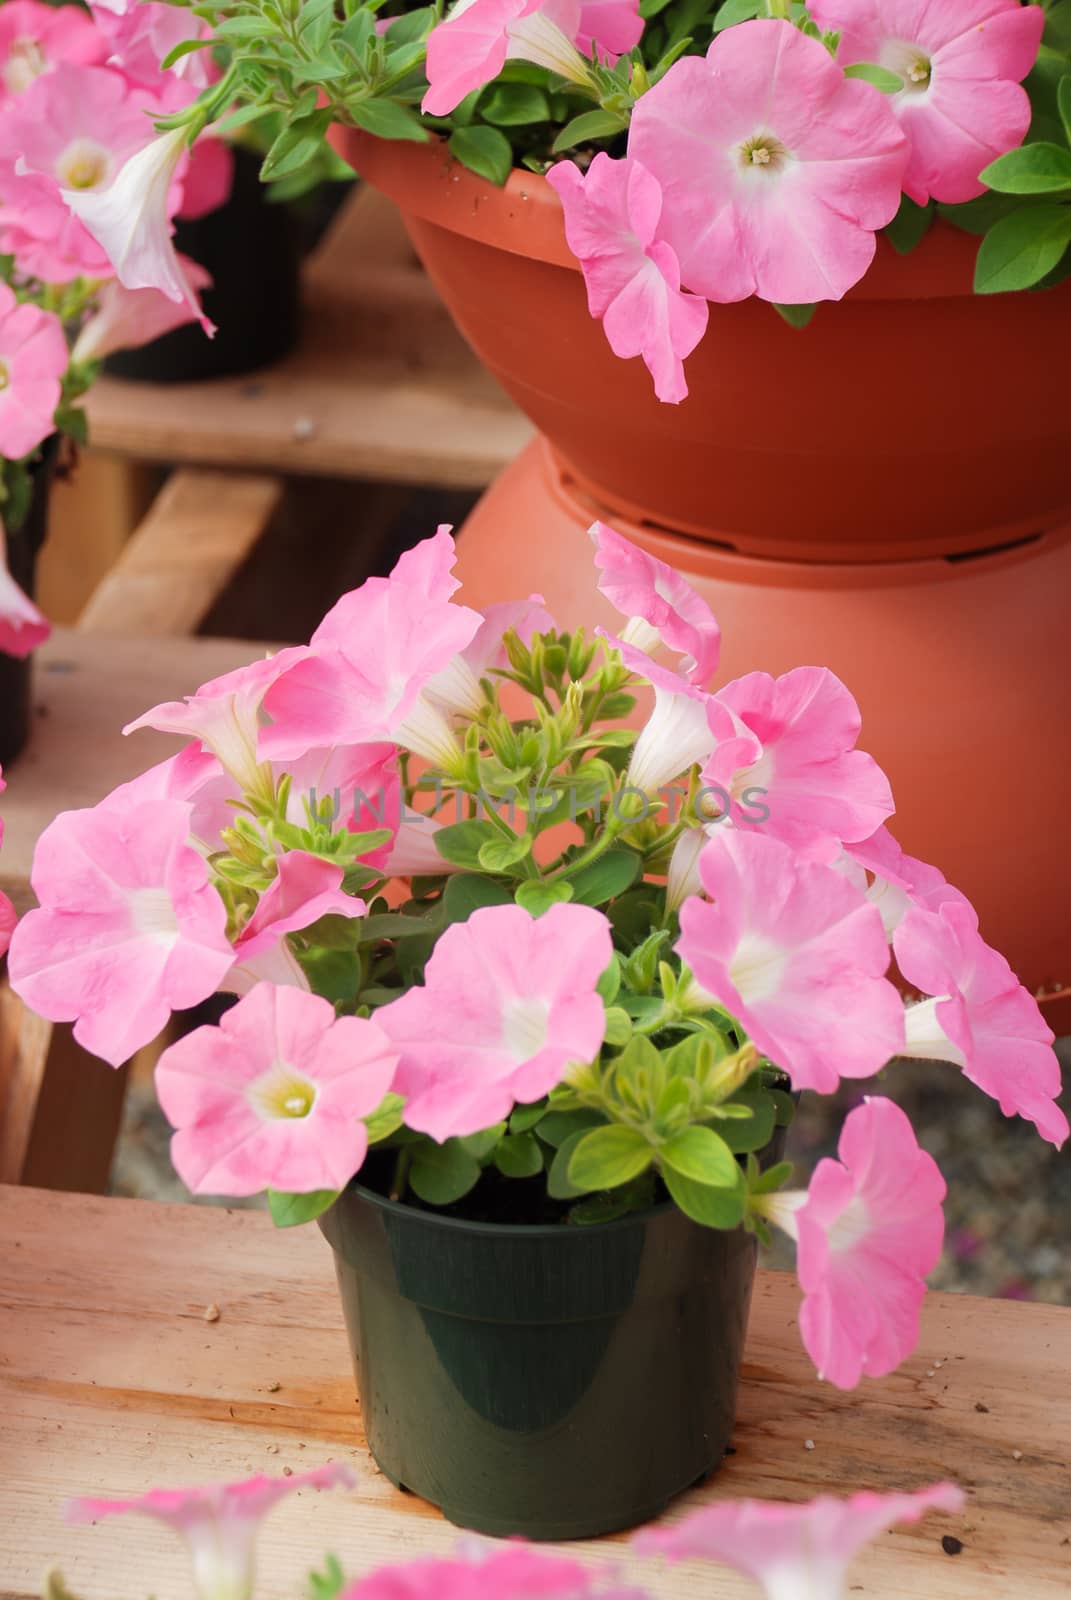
(112, 1381)
(381, 386)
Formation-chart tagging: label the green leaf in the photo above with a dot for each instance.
(700, 1154)
(607, 1157)
(558, 1126)
(1022, 248)
(460, 842)
(978, 216)
(514, 104)
(442, 1173)
(910, 226)
(587, 126)
(713, 1207)
(499, 854)
(479, 1145)
(610, 982)
(795, 316)
(536, 896)
(484, 151)
(291, 1210)
(387, 120)
(756, 1131)
(390, 925)
(411, 25)
(248, 26)
(1063, 100)
(298, 143)
(771, 1179)
(184, 48)
(385, 1119)
(618, 1030)
(523, 1118)
(559, 1183)
(468, 892)
(519, 1156)
(1033, 169)
(888, 82)
(784, 1107)
(734, 11)
(606, 878)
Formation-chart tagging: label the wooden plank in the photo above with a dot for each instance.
(381, 386)
(200, 530)
(91, 514)
(111, 1380)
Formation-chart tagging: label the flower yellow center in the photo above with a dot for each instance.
(909, 62)
(83, 165)
(918, 73)
(282, 1092)
(764, 152)
(25, 62)
(5, 377)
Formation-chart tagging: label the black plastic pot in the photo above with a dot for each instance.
(23, 545)
(252, 248)
(557, 1382)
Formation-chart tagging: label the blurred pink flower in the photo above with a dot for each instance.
(962, 65)
(127, 318)
(817, 787)
(662, 607)
(796, 954)
(776, 170)
(8, 916)
(513, 1573)
(22, 626)
(33, 360)
(141, 33)
(128, 929)
(34, 37)
(507, 1004)
(795, 1552)
(981, 1018)
(208, 178)
(614, 27)
(476, 39)
(218, 1522)
(273, 1097)
(633, 276)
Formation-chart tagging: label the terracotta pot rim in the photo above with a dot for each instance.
(524, 217)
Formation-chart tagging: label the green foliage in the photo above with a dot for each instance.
(1023, 248)
(442, 1173)
(910, 225)
(328, 1584)
(291, 1210)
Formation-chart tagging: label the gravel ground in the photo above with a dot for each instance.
(1009, 1194)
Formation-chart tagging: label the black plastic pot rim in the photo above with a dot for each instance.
(526, 1230)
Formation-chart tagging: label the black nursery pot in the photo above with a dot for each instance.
(23, 546)
(556, 1382)
(252, 248)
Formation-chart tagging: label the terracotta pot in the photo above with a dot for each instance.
(956, 664)
(912, 419)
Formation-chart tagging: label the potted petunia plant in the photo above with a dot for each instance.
(525, 997)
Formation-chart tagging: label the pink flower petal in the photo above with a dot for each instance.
(640, 585)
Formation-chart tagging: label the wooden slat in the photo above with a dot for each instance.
(111, 1380)
(199, 531)
(381, 386)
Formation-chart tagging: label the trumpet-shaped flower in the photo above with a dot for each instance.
(776, 170)
(819, 789)
(193, 775)
(33, 359)
(794, 1552)
(472, 45)
(509, 1001)
(362, 677)
(273, 1097)
(360, 784)
(897, 881)
(128, 929)
(633, 275)
(22, 626)
(429, 566)
(128, 318)
(980, 1017)
(513, 1573)
(219, 1523)
(305, 888)
(457, 686)
(34, 37)
(662, 607)
(141, 33)
(611, 27)
(797, 954)
(867, 1232)
(961, 105)
(129, 217)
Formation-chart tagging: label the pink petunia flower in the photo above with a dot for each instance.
(795, 1552)
(796, 954)
(360, 782)
(413, 852)
(128, 929)
(33, 359)
(34, 37)
(457, 686)
(193, 775)
(471, 46)
(219, 1522)
(962, 65)
(22, 626)
(129, 216)
(305, 889)
(125, 319)
(507, 1004)
(612, 27)
(776, 170)
(273, 1097)
(981, 1018)
(633, 276)
(896, 880)
(662, 607)
(513, 1573)
(208, 179)
(817, 787)
(867, 1232)
(140, 34)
